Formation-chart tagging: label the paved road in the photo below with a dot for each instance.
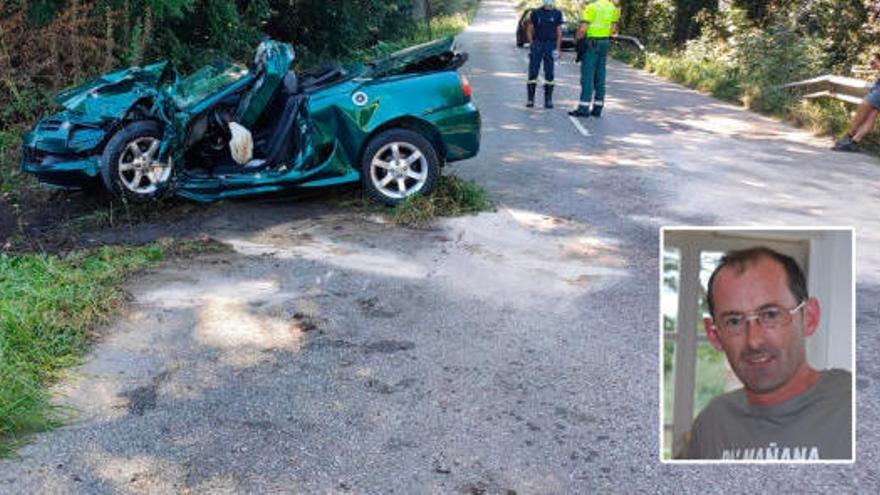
(514, 351)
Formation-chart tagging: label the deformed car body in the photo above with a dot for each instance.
(145, 133)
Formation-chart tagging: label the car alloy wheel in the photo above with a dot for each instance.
(138, 169)
(130, 169)
(398, 170)
(398, 163)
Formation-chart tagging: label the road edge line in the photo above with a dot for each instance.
(580, 128)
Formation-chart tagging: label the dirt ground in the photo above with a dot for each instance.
(52, 221)
(42, 220)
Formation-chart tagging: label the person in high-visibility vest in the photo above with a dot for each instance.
(598, 23)
(545, 39)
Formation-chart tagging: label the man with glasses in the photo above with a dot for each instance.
(761, 315)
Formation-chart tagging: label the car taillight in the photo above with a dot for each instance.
(466, 87)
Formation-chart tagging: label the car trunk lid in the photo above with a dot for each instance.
(428, 57)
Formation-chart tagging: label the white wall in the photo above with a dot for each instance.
(830, 281)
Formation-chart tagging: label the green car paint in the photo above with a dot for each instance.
(278, 57)
(113, 93)
(418, 88)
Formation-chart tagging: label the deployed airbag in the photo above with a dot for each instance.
(241, 145)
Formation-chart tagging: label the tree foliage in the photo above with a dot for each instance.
(338, 27)
(193, 30)
(49, 44)
(847, 30)
(686, 24)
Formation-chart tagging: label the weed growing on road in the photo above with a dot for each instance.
(454, 197)
(49, 306)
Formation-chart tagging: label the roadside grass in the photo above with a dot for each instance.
(49, 307)
(12, 181)
(454, 197)
(730, 83)
(708, 76)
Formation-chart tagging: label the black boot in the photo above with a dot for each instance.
(597, 111)
(548, 96)
(530, 89)
(580, 111)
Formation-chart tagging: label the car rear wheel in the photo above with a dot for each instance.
(399, 163)
(130, 167)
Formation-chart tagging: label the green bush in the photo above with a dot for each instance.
(702, 65)
(768, 58)
(339, 28)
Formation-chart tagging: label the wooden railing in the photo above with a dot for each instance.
(842, 88)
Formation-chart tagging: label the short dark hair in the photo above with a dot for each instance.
(738, 260)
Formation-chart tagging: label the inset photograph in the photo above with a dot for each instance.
(757, 344)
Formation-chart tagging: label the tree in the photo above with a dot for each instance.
(686, 26)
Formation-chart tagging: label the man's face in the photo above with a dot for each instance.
(875, 63)
(763, 359)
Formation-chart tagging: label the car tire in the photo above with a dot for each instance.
(399, 163)
(128, 168)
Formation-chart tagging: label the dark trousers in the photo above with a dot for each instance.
(541, 51)
(593, 72)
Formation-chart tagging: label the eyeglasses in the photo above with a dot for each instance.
(769, 318)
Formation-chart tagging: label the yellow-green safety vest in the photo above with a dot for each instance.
(600, 15)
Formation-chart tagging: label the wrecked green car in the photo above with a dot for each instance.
(228, 131)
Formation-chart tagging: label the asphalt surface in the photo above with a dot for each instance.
(511, 352)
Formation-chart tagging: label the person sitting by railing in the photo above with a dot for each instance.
(863, 121)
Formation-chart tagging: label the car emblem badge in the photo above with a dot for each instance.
(360, 98)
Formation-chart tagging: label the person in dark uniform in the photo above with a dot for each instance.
(545, 40)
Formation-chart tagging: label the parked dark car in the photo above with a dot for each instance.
(145, 133)
(568, 31)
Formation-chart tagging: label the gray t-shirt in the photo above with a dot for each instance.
(816, 425)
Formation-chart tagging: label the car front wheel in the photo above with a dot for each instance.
(399, 163)
(130, 167)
